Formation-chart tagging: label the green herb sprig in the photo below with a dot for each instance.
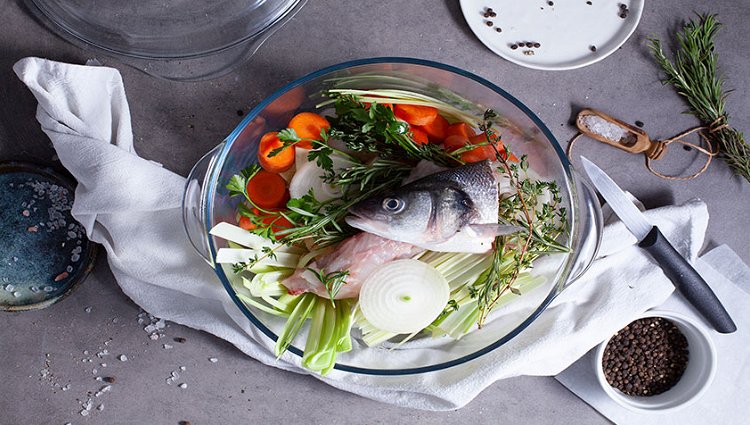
(375, 129)
(513, 253)
(333, 281)
(693, 73)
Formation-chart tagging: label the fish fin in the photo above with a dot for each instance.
(490, 230)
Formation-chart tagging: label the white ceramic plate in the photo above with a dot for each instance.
(566, 30)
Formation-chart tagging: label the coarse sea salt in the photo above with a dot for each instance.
(123, 358)
(606, 129)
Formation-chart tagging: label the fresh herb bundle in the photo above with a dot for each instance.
(693, 73)
(375, 129)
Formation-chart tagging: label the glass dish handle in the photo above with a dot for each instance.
(590, 228)
(194, 204)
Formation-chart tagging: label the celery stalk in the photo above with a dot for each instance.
(294, 323)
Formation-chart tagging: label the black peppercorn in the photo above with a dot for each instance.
(537, 45)
(498, 29)
(514, 46)
(639, 123)
(489, 23)
(529, 44)
(593, 48)
(647, 357)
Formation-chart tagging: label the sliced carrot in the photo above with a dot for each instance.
(267, 190)
(278, 223)
(455, 142)
(480, 138)
(415, 114)
(308, 125)
(246, 223)
(437, 129)
(460, 129)
(278, 163)
(480, 153)
(419, 136)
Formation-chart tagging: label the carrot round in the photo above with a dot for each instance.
(308, 125)
(278, 223)
(415, 114)
(419, 136)
(436, 130)
(480, 153)
(246, 223)
(278, 163)
(267, 190)
(460, 129)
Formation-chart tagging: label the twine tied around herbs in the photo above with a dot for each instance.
(659, 147)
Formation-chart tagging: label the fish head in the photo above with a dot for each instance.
(399, 215)
(416, 214)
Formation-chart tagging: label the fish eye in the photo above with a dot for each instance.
(393, 205)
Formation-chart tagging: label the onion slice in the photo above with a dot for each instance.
(403, 296)
(310, 176)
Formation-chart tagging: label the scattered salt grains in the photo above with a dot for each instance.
(34, 289)
(87, 309)
(213, 360)
(100, 407)
(69, 269)
(94, 371)
(182, 368)
(183, 385)
(103, 364)
(123, 358)
(10, 287)
(48, 289)
(17, 294)
(167, 346)
(154, 326)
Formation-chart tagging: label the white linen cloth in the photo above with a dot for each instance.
(132, 207)
(724, 402)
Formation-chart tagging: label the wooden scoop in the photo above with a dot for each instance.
(604, 128)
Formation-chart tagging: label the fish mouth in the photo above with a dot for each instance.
(366, 225)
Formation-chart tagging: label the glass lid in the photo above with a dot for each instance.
(163, 29)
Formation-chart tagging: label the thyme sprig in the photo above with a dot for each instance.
(693, 73)
(513, 253)
(333, 281)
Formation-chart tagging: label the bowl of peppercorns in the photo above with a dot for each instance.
(660, 361)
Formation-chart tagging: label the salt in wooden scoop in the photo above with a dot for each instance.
(604, 128)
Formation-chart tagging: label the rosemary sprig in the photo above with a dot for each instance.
(693, 73)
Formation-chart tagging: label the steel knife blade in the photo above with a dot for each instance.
(685, 278)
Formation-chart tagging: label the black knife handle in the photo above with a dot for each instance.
(687, 280)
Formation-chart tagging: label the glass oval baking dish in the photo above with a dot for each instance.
(207, 202)
(173, 39)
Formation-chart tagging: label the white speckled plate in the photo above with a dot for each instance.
(571, 33)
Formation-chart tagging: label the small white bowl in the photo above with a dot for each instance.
(694, 382)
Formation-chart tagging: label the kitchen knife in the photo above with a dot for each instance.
(684, 277)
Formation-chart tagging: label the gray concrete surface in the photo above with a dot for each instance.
(175, 123)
